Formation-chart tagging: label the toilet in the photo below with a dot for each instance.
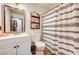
(40, 46)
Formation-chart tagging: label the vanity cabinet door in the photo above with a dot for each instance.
(23, 46)
(23, 49)
(8, 49)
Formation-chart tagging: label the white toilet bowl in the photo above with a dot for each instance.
(40, 46)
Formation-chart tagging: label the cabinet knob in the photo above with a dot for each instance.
(14, 46)
(18, 46)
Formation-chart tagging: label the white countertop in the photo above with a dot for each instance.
(14, 36)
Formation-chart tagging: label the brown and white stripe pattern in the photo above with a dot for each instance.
(61, 28)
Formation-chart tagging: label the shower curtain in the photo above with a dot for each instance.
(61, 29)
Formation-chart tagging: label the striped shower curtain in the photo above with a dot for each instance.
(61, 28)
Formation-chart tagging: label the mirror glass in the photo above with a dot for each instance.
(14, 19)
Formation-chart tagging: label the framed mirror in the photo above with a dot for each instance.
(14, 19)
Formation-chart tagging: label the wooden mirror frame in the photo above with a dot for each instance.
(23, 27)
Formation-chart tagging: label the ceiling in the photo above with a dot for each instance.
(46, 6)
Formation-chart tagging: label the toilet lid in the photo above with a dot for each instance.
(40, 44)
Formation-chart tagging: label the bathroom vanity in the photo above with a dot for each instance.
(15, 45)
(16, 42)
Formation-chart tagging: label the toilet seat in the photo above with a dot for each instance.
(40, 44)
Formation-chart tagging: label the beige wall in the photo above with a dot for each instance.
(29, 8)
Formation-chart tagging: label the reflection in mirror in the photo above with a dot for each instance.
(14, 19)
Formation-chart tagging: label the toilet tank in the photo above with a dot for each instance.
(36, 37)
